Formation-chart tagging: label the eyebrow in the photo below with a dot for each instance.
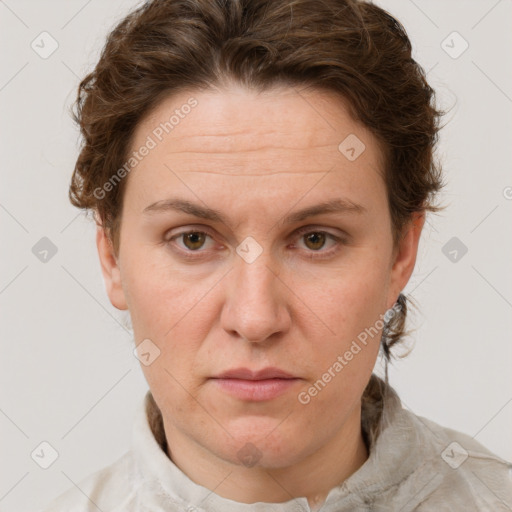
(339, 205)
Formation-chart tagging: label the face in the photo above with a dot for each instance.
(254, 252)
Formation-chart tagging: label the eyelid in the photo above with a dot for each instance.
(189, 229)
(320, 229)
(298, 232)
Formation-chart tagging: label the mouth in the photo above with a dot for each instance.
(255, 386)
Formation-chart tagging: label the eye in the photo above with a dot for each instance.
(191, 241)
(196, 243)
(316, 240)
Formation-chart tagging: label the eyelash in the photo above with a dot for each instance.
(316, 255)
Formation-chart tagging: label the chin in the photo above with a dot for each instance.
(262, 444)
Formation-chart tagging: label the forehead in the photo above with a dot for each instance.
(239, 119)
(280, 136)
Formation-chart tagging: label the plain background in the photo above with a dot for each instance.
(68, 374)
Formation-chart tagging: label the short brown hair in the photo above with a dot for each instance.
(353, 48)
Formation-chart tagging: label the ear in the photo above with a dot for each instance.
(110, 269)
(405, 256)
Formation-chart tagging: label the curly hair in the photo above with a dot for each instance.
(349, 47)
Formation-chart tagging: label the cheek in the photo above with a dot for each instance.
(159, 295)
(353, 299)
(352, 307)
(173, 310)
(341, 363)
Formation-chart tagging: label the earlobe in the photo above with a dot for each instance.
(405, 255)
(110, 269)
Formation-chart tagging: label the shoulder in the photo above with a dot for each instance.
(456, 471)
(106, 489)
(415, 464)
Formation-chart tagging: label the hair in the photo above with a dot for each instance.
(352, 48)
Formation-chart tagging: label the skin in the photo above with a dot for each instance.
(257, 157)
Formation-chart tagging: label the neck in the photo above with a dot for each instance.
(311, 477)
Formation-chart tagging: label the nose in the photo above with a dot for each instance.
(255, 309)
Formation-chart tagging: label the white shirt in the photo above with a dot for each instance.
(414, 465)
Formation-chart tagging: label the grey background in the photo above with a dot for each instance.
(67, 372)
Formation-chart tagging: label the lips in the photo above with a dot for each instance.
(255, 386)
(246, 374)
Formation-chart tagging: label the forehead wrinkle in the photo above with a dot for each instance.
(264, 147)
(262, 174)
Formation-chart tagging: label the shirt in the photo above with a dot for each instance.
(414, 464)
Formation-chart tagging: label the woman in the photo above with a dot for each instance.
(260, 173)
